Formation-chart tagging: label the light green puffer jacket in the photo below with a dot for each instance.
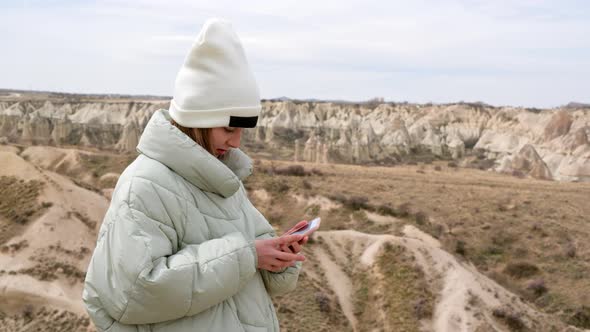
(176, 248)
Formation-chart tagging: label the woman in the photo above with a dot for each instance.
(181, 247)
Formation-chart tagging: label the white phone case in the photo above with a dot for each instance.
(311, 227)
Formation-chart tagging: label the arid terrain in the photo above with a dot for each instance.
(427, 244)
(550, 144)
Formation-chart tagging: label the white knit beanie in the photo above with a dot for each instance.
(215, 87)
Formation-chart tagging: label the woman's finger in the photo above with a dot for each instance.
(305, 239)
(269, 267)
(296, 248)
(282, 264)
(288, 239)
(287, 248)
(297, 227)
(284, 256)
(273, 268)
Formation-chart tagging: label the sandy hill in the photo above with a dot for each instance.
(411, 248)
(49, 227)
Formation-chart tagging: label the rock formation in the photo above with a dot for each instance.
(130, 137)
(297, 156)
(528, 161)
(336, 132)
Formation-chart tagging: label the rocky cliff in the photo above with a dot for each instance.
(547, 144)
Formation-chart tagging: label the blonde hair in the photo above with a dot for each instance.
(199, 135)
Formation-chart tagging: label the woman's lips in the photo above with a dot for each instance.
(221, 151)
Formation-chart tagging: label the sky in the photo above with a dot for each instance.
(532, 53)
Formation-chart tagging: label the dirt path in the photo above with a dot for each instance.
(339, 282)
(465, 297)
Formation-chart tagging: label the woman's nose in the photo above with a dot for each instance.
(236, 137)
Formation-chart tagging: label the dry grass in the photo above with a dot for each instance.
(510, 318)
(18, 198)
(395, 289)
(310, 308)
(18, 204)
(490, 219)
(44, 319)
(99, 164)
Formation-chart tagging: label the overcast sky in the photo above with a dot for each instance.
(503, 52)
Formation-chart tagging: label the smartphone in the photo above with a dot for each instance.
(311, 227)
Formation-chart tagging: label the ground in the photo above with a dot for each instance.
(423, 247)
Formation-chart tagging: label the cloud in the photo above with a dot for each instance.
(502, 52)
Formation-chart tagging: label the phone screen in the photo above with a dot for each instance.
(309, 226)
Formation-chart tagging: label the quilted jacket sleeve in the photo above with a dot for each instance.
(140, 279)
(279, 283)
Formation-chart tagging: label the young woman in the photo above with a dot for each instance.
(181, 247)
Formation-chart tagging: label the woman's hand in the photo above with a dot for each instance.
(270, 255)
(295, 247)
(297, 227)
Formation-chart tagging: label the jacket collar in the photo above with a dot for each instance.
(167, 144)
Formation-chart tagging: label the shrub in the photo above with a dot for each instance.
(338, 198)
(316, 171)
(452, 164)
(293, 170)
(421, 218)
(275, 186)
(307, 185)
(537, 286)
(358, 202)
(313, 210)
(502, 238)
(513, 320)
(521, 270)
(385, 209)
(46, 205)
(570, 250)
(518, 173)
(437, 168)
(437, 230)
(493, 250)
(323, 301)
(422, 308)
(354, 202)
(460, 247)
(28, 313)
(580, 317)
(361, 216)
(404, 210)
(388, 247)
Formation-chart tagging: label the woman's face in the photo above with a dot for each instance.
(224, 138)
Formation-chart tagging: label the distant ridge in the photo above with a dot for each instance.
(573, 104)
(8, 92)
(42, 94)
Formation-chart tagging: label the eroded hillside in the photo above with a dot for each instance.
(410, 248)
(544, 144)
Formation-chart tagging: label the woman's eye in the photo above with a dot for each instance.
(229, 130)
